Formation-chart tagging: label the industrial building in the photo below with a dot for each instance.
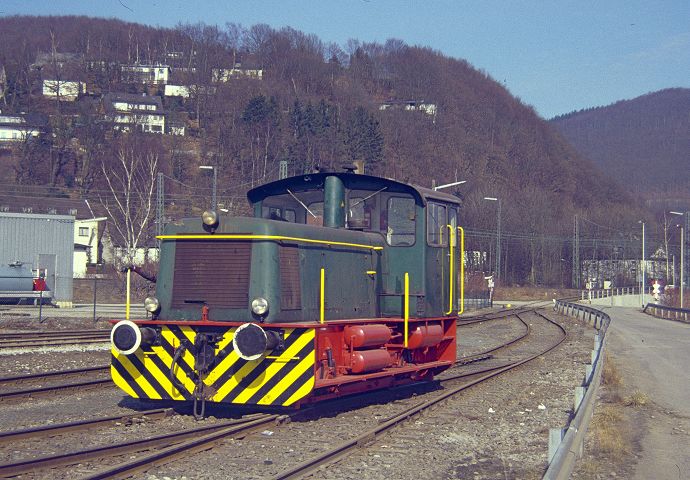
(45, 243)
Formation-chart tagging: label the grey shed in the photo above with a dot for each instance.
(42, 241)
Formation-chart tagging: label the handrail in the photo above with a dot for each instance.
(451, 248)
(267, 237)
(322, 296)
(406, 311)
(462, 270)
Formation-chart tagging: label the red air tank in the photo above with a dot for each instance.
(370, 360)
(425, 336)
(362, 336)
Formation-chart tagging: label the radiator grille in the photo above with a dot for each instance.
(214, 271)
(290, 290)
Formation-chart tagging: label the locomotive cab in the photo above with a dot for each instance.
(339, 283)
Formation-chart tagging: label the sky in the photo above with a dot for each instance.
(555, 55)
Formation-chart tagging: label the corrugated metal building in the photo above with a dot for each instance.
(42, 241)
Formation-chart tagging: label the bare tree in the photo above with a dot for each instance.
(131, 182)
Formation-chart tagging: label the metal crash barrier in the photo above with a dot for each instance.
(566, 444)
(671, 313)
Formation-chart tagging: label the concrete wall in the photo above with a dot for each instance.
(633, 300)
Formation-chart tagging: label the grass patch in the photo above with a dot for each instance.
(611, 376)
(637, 399)
(609, 433)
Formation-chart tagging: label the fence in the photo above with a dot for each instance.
(609, 292)
(476, 300)
(566, 444)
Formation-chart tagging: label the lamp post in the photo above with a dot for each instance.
(498, 235)
(643, 268)
(450, 184)
(682, 257)
(214, 202)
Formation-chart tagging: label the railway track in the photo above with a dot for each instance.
(52, 339)
(60, 375)
(367, 437)
(168, 447)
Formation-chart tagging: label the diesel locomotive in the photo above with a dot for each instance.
(340, 283)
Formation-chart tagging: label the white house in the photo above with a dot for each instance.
(224, 75)
(87, 233)
(66, 90)
(410, 106)
(177, 91)
(128, 111)
(148, 74)
(18, 128)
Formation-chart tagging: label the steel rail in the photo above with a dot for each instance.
(53, 342)
(57, 373)
(53, 429)
(486, 354)
(29, 392)
(333, 455)
(55, 333)
(171, 453)
(160, 441)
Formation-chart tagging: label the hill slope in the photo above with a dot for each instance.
(410, 113)
(643, 142)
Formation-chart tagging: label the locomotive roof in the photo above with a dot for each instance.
(315, 181)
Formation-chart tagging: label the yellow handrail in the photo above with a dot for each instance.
(451, 247)
(267, 237)
(322, 297)
(406, 314)
(462, 270)
(129, 277)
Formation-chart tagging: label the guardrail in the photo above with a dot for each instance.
(566, 444)
(672, 313)
(609, 292)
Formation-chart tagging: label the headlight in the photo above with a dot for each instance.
(151, 304)
(260, 306)
(210, 218)
(125, 337)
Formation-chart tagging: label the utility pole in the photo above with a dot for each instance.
(576, 254)
(498, 232)
(160, 209)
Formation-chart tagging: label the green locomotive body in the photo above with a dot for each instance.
(340, 283)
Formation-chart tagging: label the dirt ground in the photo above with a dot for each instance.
(533, 293)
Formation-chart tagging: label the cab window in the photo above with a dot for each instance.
(436, 224)
(399, 226)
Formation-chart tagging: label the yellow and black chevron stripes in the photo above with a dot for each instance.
(280, 378)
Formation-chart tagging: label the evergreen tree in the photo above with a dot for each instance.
(363, 139)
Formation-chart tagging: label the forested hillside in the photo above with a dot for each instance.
(248, 98)
(644, 142)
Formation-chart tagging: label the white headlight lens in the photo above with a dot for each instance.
(210, 218)
(151, 304)
(260, 306)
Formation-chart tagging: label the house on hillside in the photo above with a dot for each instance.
(224, 75)
(64, 90)
(21, 127)
(128, 111)
(186, 91)
(410, 106)
(148, 74)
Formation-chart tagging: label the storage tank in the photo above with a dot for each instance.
(16, 277)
